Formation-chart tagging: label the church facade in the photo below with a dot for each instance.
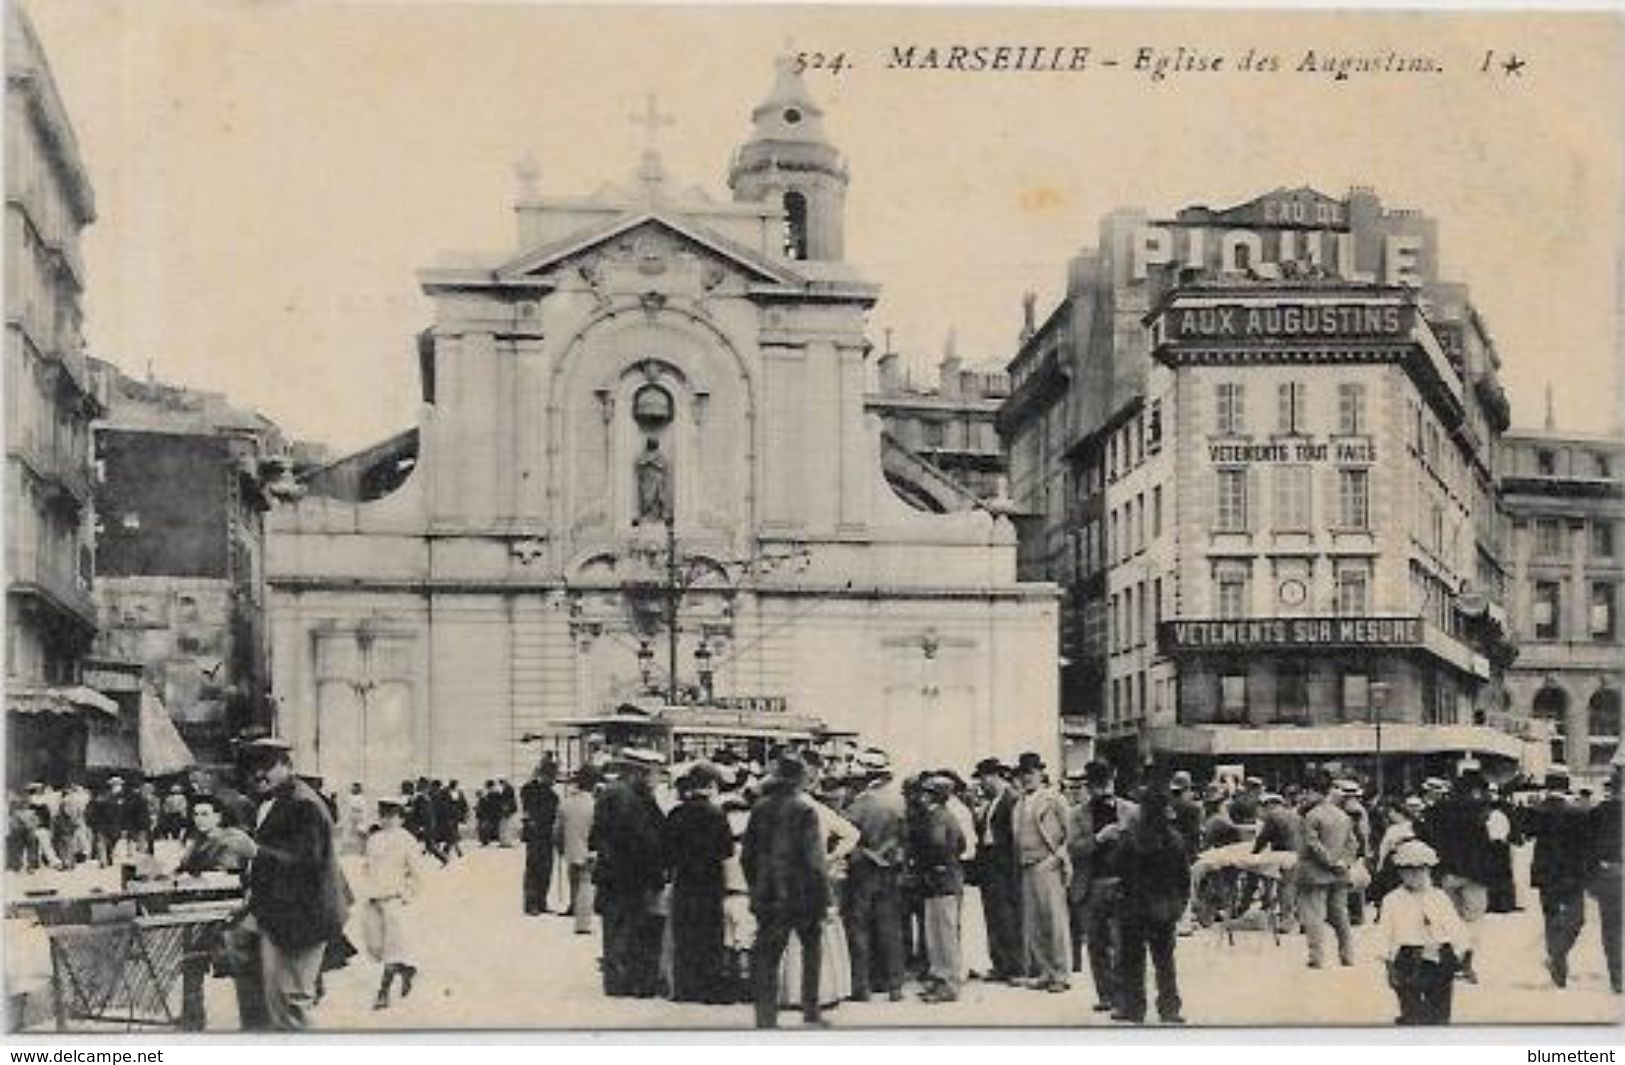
(643, 466)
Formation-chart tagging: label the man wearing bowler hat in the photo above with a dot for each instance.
(996, 873)
(296, 893)
(1039, 826)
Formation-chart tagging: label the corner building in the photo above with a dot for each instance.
(652, 384)
(50, 402)
(1272, 484)
(1565, 493)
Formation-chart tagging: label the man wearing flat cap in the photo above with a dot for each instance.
(296, 892)
(1040, 825)
(627, 837)
(996, 873)
(874, 894)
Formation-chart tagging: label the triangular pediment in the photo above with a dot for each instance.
(649, 239)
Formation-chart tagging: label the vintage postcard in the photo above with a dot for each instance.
(534, 517)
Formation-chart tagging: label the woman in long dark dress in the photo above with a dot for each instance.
(697, 842)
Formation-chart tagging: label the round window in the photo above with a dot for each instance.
(792, 115)
(652, 407)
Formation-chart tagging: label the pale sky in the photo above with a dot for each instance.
(270, 175)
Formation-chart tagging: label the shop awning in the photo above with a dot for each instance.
(149, 744)
(1236, 740)
(72, 700)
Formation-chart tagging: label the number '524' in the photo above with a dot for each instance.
(834, 63)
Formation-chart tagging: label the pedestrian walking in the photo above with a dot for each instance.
(393, 879)
(697, 843)
(784, 863)
(1155, 864)
(1606, 877)
(296, 893)
(1558, 871)
(1329, 849)
(1457, 828)
(1039, 826)
(1422, 937)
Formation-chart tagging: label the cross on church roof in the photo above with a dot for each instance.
(651, 120)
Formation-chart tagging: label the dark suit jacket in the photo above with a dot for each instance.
(783, 858)
(627, 837)
(295, 889)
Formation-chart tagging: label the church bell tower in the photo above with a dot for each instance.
(789, 161)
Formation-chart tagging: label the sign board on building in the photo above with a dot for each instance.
(1249, 634)
(1235, 322)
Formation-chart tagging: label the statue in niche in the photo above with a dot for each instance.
(654, 484)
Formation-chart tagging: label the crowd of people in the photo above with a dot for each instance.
(814, 879)
(808, 883)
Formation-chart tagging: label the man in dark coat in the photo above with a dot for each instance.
(697, 842)
(942, 883)
(629, 876)
(783, 858)
(1155, 866)
(996, 873)
(1606, 879)
(1558, 871)
(540, 804)
(296, 892)
(874, 893)
(1457, 828)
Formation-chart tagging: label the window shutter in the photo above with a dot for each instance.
(1253, 501)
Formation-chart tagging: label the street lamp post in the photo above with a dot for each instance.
(672, 593)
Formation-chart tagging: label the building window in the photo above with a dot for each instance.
(1232, 501)
(1353, 590)
(1292, 498)
(1145, 617)
(1354, 499)
(1117, 698)
(1115, 544)
(1356, 696)
(1291, 693)
(1552, 704)
(1111, 459)
(1351, 408)
(1602, 610)
(1602, 539)
(1232, 696)
(1139, 684)
(1156, 605)
(795, 226)
(1291, 407)
(1549, 537)
(1130, 637)
(1153, 427)
(1230, 412)
(1156, 512)
(1601, 464)
(1139, 522)
(1548, 609)
(1231, 583)
(1602, 715)
(934, 435)
(1545, 463)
